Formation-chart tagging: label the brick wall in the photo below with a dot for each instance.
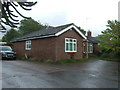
(50, 48)
(96, 48)
(61, 54)
(42, 48)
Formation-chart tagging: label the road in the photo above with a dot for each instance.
(91, 74)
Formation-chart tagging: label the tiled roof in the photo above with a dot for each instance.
(93, 40)
(46, 32)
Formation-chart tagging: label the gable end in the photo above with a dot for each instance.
(72, 26)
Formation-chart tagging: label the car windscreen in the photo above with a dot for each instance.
(5, 48)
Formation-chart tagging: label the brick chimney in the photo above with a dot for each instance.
(89, 33)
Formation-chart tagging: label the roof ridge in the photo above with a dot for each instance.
(64, 25)
(50, 31)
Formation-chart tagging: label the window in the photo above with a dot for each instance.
(28, 45)
(90, 47)
(84, 48)
(70, 45)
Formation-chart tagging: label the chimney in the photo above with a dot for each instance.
(89, 33)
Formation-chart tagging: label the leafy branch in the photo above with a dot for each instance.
(8, 9)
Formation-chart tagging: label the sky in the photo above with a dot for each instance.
(88, 14)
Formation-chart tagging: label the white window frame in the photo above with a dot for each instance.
(91, 46)
(73, 48)
(28, 42)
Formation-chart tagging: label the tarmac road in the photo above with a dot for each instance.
(92, 74)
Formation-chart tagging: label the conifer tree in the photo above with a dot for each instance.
(9, 13)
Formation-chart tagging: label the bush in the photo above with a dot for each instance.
(112, 56)
(92, 56)
(48, 61)
(65, 61)
(104, 55)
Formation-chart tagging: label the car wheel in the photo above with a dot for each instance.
(14, 58)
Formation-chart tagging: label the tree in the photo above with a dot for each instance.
(11, 34)
(26, 26)
(4, 39)
(30, 25)
(110, 38)
(7, 12)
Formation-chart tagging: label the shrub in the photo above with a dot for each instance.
(91, 56)
(112, 56)
(65, 61)
(48, 61)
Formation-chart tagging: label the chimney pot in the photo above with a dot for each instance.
(89, 33)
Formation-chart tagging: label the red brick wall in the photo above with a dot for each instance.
(96, 49)
(60, 49)
(42, 48)
(19, 48)
(50, 48)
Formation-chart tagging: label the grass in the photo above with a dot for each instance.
(62, 61)
(33, 59)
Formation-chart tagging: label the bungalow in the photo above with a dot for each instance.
(52, 43)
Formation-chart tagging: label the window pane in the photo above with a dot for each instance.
(91, 48)
(74, 46)
(67, 47)
(74, 40)
(71, 47)
(84, 47)
(70, 40)
(88, 48)
(67, 40)
(29, 46)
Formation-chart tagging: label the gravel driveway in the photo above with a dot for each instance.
(91, 74)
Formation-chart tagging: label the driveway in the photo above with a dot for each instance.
(91, 74)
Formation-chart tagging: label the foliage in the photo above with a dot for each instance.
(110, 38)
(93, 56)
(35, 59)
(11, 34)
(66, 61)
(62, 61)
(30, 25)
(26, 26)
(8, 10)
(4, 39)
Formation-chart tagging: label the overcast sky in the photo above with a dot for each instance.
(88, 14)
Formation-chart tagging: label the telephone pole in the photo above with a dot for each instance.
(119, 11)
